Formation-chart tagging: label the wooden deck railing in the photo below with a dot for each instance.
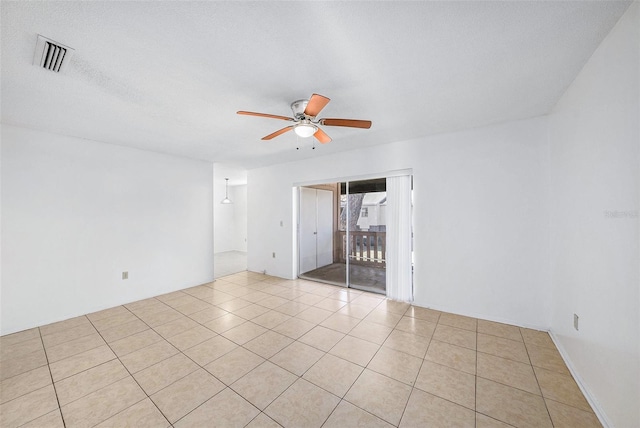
(366, 248)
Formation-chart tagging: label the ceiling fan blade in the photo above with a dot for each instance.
(280, 132)
(315, 105)
(351, 123)
(322, 136)
(272, 116)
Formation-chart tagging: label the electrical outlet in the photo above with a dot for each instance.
(125, 275)
(575, 321)
(273, 255)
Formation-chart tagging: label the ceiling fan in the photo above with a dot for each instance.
(305, 122)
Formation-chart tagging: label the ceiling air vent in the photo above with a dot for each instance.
(51, 55)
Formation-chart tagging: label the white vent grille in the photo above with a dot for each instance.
(51, 55)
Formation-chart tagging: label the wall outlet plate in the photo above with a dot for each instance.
(576, 318)
(125, 275)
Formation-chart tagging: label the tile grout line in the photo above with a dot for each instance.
(53, 384)
(544, 401)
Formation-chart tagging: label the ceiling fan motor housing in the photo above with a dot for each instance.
(298, 107)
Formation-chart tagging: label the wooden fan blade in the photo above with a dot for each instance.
(322, 136)
(351, 123)
(315, 105)
(280, 132)
(272, 116)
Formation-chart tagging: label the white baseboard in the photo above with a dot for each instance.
(595, 405)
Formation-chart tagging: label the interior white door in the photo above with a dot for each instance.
(308, 214)
(324, 229)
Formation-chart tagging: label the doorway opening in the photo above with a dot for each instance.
(342, 234)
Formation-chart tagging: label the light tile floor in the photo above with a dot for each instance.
(257, 351)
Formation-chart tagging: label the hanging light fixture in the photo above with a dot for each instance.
(226, 199)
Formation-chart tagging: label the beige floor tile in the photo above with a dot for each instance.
(193, 307)
(356, 350)
(348, 415)
(297, 358)
(68, 324)
(380, 395)
(537, 338)
(371, 332)
(483, 421)
(339, 322)
(273, 302)
(416, 326)
(394, 307)
(174, 296)
(396, 365)
(425, 409)
(368, 300)
(291, 308)
(507, 372)
(455, 336)
(263, 384)
(135, 342)
(244, 332)
(322, 338)
(302, 405)
(511, 405)
(547, 358)
(120, 332)
(62, 336)
(80, 362)
(564, 416)
(88, 381)
(294, 328)
(263, 421)
(160, 375)
(268, 344)
(175, 327)
(452, 356)
(314, 315)
(256, 296)
(226, 409)
(24, 383)
(383, 317)
(28, 407)
(184, 395)
(500, 330)
(21, 336)
(458, 321)
(309, 299)
(158, 318)
(333, 374)
(252, 311)
(208, 314)
(330, 304)
(408, 343)
(191, 337)
(355, 311)
(102, 404)
(145, 357)
(143, 414)
(271, 319)
(346, 295)
(50, 420)
(114, 321)
(15, 366)
(233, 365)
(20, 349)
(234, 305)
(502, 347)
(450, 384)
(561, 388)
(423, 314)
(209, 350)
(224, 323)
(73, 347)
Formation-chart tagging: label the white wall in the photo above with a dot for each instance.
(481, 217)
(595, 157)
(76, 213)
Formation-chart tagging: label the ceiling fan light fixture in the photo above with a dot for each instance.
(305, 130)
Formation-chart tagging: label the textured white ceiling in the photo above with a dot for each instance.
(169, 76)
